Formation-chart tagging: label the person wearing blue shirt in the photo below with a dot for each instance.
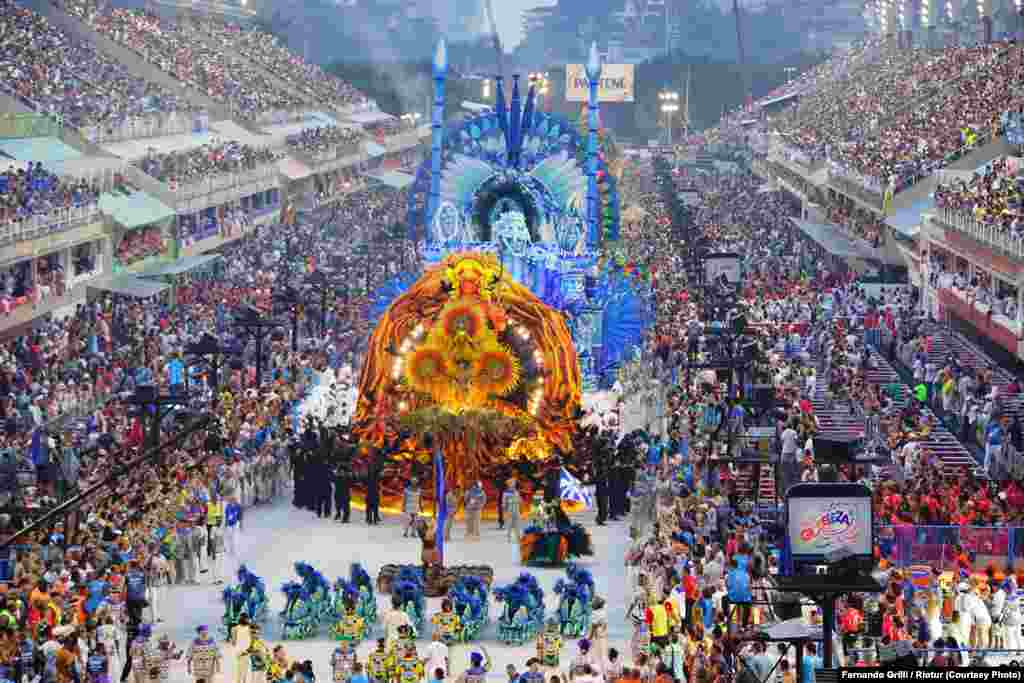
(707, 609)
(737, 586)
(176, 374)
(135, 590)
(811, 662)
(993, 444)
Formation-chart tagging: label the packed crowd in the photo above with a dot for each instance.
(137, 245)
(873, 137)
(206, 162)
(32, 191)
(706, 561)
(57, 74)
(327, 139)
(991, 196)
(265, 49)
(80, 593)
(197, 60)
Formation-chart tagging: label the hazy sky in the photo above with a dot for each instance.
(507, 14)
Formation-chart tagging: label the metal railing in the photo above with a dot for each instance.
(137, 127)
(332, 153)
(213, 191)
(279, 117)
(58, 220)
(989, 234)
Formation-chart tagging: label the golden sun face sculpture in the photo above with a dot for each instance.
(467, 337)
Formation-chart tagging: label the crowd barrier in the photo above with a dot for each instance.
(935, 546)
(332, 153)
(135, 127)
(986, 233)
(58, 220)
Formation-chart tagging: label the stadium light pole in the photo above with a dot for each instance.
(669, 106)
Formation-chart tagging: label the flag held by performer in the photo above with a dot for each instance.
(440, 503)
(571, 489)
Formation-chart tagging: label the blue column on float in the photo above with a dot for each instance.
(593, 69)
(437, 132)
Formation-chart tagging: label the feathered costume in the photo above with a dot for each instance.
(575, 604)
(523, 614)
(469, 601)
(553, 541)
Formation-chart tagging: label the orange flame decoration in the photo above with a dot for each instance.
(425, 303)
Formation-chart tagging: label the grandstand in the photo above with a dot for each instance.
(901, 160)
(177, 139)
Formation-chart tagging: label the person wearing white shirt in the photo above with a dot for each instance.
(982, 620)
(437, 656)
(1012, 617)
(997, 609)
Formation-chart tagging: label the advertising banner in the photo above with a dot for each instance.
(616, 83)
(819, 526)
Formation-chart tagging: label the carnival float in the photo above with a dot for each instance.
(519, 310)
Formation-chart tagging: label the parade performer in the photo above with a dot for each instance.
(343, 661)
(97, 665)
(378, 664)
(479, 665)
(204, 658)
(110, 636)
(138, 653)
(510, 502)
(408, 668)
(241, 638)
(232, 527)
(641, 640)
(476, 499)
(412, 505)
(549, 645)
(598, 635)
(158, 580)
(447, 622)
(582, 660)
(351, 628)
(394, 619)
(160, 662)
(260, 657)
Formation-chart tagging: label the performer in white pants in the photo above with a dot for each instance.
(110, 636)
(199, 543)
(1012, 619)
(241, 638)
(158, 578)
(232, 527)
(217, 554)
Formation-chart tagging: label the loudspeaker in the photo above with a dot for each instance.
(833, 451)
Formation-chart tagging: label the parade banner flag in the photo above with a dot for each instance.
(440, 504)
(570, 488)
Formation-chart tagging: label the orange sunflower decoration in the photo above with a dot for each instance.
(427, 369)
(497, 371)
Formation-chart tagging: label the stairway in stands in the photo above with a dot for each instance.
(971, 356)
(953, 454)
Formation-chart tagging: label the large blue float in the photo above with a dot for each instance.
(508, 182)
